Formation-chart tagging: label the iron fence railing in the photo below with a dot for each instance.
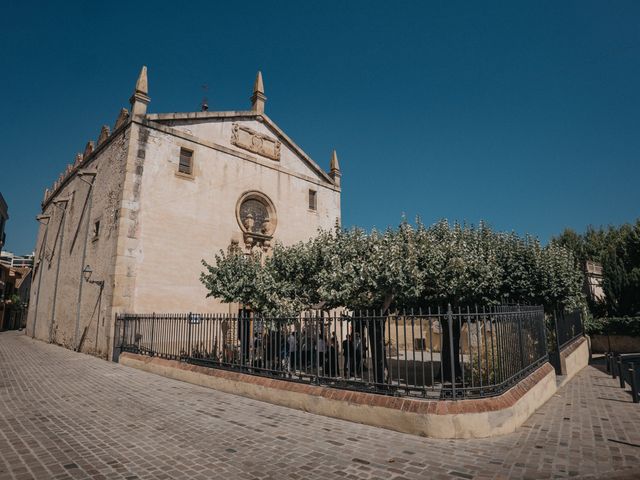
(441, 353)
(568, 326)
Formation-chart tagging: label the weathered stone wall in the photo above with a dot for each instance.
(156, 225)
(67, 233)
(182, 220)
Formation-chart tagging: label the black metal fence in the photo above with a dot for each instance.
(442, 353)
(568, 326)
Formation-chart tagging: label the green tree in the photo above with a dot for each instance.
(621, 271)
(402, 268)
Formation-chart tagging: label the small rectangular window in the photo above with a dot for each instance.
(96, 229)
(186, 161)
(313, 200)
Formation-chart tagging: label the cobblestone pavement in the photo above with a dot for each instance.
(69, 415)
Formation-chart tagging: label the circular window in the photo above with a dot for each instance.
(256, 214)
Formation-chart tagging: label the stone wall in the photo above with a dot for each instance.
(183, 219)
(63, 239)
(156, 225)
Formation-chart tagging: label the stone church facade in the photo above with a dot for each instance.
(125, 227)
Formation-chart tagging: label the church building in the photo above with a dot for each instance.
(125, 227)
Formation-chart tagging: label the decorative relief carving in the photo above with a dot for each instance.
(249, 139)
(257, 218)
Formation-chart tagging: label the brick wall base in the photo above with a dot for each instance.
(438, 419)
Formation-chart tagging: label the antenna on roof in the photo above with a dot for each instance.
(205, 103)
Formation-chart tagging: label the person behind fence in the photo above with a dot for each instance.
(321, 348)
(334, 369)
(271, 350)
(307, 351)
(291, 350)
(357, 350)
(257, 349)
(349, 355)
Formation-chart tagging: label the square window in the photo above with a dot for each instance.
(186, 161)
(313, 200)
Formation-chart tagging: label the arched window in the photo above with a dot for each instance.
(256, 216)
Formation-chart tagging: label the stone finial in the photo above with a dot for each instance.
(78, 159)
(142, 85)
(140, 98)
(258, 98)
(68, 170)
(334, 171)
(104, 134)
(88, 150)
(46, 194)
(123, 116)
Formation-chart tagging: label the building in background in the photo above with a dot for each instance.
(126, 225)
(16, 261)
(15, 284)
(593, 278)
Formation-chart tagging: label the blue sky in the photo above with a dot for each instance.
(524, 114)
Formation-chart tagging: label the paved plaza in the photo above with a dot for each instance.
(69, 415)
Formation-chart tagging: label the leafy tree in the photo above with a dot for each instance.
(406, 267)
(621, 271)
(233, 277)
(617, 249)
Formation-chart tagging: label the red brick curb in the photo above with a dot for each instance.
(438, 407)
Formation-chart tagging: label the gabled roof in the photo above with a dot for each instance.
(243, 115)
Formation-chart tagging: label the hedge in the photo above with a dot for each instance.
(629, 326)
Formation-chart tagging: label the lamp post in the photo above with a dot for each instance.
(87, 272)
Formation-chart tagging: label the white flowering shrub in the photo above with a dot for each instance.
(406, 267)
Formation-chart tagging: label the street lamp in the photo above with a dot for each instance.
(87, 272)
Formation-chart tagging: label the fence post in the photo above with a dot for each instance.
(118, 338)
(520, 341)
(153, 324)
(317, 343)
(451, 354)
(188, 353)
(544, 336)
(556, 327)
(634, 383)
(581, 320)
(136, 338)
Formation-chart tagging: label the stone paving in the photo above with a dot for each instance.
(69, 415)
